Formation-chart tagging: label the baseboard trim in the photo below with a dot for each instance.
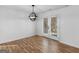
(44, 37)
(72, 45)
(18, 38)
(62, 42)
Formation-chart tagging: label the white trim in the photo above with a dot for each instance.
(17, 38)
(54, 38)
(76, 46)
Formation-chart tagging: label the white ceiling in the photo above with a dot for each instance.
(40, 8)
(37, 9)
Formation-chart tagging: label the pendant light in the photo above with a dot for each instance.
(32, 16)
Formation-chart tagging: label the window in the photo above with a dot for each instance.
(54, 25)
(45, 25)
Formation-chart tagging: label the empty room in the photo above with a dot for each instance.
(39, 28)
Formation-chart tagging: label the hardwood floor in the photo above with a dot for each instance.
(36, 44)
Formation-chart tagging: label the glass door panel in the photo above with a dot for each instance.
(45, 25)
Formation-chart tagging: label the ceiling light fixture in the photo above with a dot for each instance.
(33, 15)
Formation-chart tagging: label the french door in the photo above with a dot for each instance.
(51, 26)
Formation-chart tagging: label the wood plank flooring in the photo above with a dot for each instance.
(36, 44)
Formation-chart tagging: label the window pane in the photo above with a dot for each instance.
(54, 24)
(45, 25)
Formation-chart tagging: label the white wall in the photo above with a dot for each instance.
(14, 24)
(68, 24)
